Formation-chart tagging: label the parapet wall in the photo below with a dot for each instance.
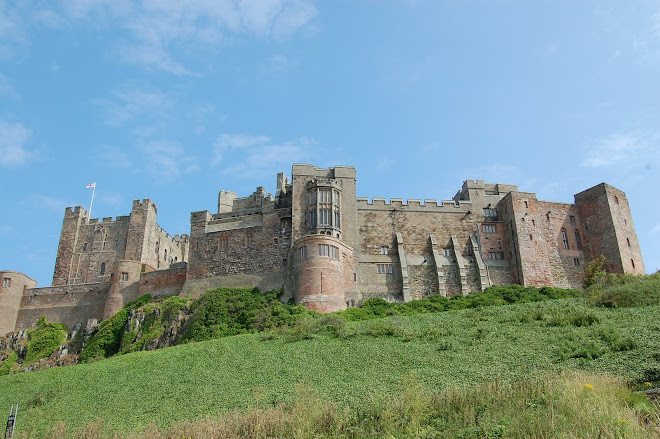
(163, 282)
(67, 304)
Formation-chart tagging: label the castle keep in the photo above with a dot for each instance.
(328, 248)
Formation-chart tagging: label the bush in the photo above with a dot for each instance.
(43, 340)
(8, 364)
(626, 291)
(232, 311)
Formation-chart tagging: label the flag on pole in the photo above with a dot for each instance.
(91, 185)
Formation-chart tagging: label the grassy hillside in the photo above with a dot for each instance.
(353, 364)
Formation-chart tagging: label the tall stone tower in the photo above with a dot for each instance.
(608, 227)
(324, 236)
(74, 217)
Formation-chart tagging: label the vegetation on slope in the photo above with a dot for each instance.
(360, 365)
(578, 405)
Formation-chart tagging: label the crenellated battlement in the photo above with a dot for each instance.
(448, 206)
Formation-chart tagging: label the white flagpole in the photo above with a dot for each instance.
(92, 202)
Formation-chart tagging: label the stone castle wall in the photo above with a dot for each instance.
(328, 248)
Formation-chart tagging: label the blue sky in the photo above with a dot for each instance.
(174, 101)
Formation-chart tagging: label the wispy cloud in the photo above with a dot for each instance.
(13, 137)
(226, 142)
(655, 230)
(131, 102)
(160, 33)
(167, 160)
(240, 153)
(634, 149)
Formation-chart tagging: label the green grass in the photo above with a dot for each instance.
(351, 364)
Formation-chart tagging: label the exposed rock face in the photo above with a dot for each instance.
(154, 331)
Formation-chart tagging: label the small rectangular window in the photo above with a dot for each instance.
(84, 246)
(571, 219)
(116, 246)
(446, 252)
(384, 250)
(6, 282)
(526, 205)
(223, 243)
(576, 261)
(489, 228)
(496, 256)
(384, 268)
(302, 252)
(124, 276)
(249, 240)
(492, 213)
(104, 243)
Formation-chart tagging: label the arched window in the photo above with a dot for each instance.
(564, 238)
(102, 268)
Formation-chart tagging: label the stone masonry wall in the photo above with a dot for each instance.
(379, 223)
(245, 244)
(163, 282)
(534, 237)
(68, 304)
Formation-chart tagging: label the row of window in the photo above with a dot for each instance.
(384, 268)
(324, 218)
(496, 256)
(327, 250)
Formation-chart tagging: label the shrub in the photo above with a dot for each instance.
(8, 364)
(43, 340)
(626, 291)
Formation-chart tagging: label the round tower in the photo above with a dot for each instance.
(123, 286)
(12, 286)
(319, 274)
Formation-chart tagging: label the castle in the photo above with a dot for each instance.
(328, 248)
